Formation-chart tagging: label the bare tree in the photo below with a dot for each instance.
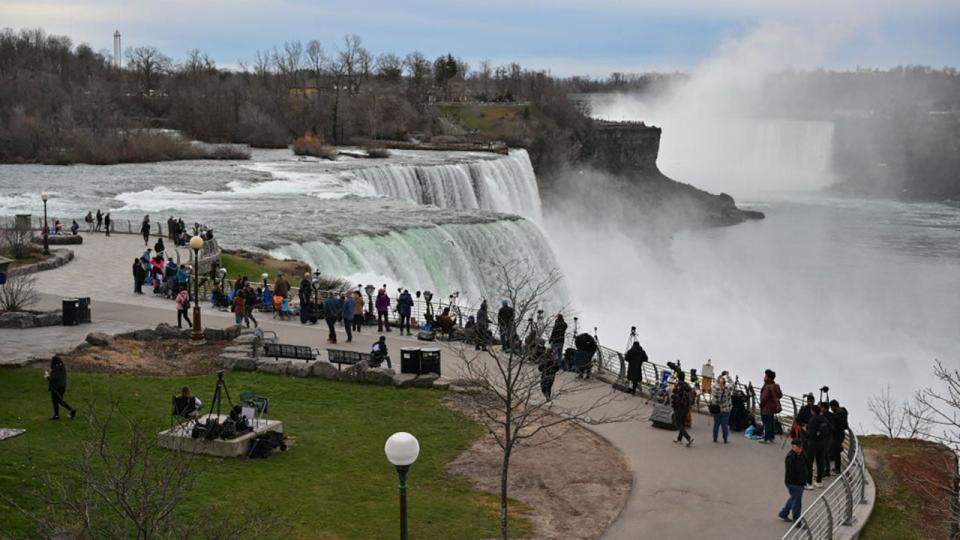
(509, 387)
(18, 293)
(389, 67)
(887, 413)
(127, 488)
(16, 240)
(149, 64)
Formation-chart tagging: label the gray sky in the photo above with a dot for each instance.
(564, 36)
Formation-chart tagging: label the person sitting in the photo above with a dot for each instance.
(445, 322)
(57, 227)
(379, 353)
(75, 227)
(186, 405)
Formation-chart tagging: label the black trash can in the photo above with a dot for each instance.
(410, 360)
(71, 311)
(84, 316)
(430, 361)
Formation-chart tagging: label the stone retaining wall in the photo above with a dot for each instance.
(58, 258)
(27, 319)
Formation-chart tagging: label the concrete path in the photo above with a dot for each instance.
(709, 490)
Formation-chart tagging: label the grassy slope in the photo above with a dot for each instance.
(899, 513)
(334, 482)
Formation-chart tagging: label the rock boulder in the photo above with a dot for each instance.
(99, 339)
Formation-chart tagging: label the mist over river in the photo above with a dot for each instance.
(851, 293)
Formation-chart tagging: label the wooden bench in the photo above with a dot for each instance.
(341, 357)
(296, 352)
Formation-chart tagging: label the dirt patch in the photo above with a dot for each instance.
(910, 476)
(576, 484)
(154, 357)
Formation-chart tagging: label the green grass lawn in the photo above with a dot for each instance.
(239, 266)
(485, 118)
(333, 482)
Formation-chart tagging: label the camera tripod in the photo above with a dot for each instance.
(218, 392)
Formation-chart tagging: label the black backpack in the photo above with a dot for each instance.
(264, 444)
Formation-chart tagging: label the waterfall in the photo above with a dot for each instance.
(504, 184)
(443, 259)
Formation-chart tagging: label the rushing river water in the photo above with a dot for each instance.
(850, 293)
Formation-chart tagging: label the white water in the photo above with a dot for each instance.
(444, 259)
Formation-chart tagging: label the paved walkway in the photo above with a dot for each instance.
(708, 490)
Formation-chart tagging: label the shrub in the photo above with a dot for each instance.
(18, 293)
(310, 145)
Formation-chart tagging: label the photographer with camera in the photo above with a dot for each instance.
(839, 426)
(818, 439)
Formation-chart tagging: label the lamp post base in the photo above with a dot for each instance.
(196, 337)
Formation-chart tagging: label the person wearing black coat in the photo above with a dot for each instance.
(139, 275)
(306, 306)
(57, 385)
(549, 366)
(795, 476)
(635, 358)
(483, 327)
(839, 426)
(818, 436)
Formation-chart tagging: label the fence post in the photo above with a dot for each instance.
(863, 478)
(826, 504)
(849, 492)
(806, 527)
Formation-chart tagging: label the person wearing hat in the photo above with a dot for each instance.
(795, 478)
(383, 310)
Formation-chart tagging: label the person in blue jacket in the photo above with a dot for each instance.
(404, 306)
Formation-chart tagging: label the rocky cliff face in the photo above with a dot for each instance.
(627, 152)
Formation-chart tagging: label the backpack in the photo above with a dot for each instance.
(264, 444)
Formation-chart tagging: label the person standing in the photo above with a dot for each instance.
(838, 431)
(404, 307)
(145, 230)
(183, 305)
(57, 384)
(818, 435)
(549, 366)
(139, 275)
(770, 395)
(159, 248)
(795, 473)
(88, 219)
(99, 219)
(357, 311)
(306, 307)
(558, 336)
(680, 399)
(721, 403)
(483, 327)
(239, 307)
(505, 324)
(635, 358)
(348, 312)
(250, 298)
(107, 223)
(331, 312)
(382, 304)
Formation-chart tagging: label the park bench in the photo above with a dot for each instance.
(296, 352)
(341, 357)
(261, 336)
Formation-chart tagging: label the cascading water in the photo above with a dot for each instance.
(444, 259)
(506, 184)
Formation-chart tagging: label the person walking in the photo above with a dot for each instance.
(145, 230)
(139, 276)
(382, 304)
(57, 384)
(505, 318)
(347, 313)
(721, 403)
(331, 312)
(183, 305)
(838, 431)
(107, 223)
(357, 311)
(818, 435)
(770, 395)
(549, 366)
(99, 219)
(558, 336)
(635, 358)
(404, 307)
(795, 473)
(680, 399)
(250, 298)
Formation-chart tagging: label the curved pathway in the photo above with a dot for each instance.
(708, 490)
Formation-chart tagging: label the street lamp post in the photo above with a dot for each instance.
(46, 228)
(402, 450)
(196, 244)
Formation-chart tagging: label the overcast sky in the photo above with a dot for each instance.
(567, 37)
